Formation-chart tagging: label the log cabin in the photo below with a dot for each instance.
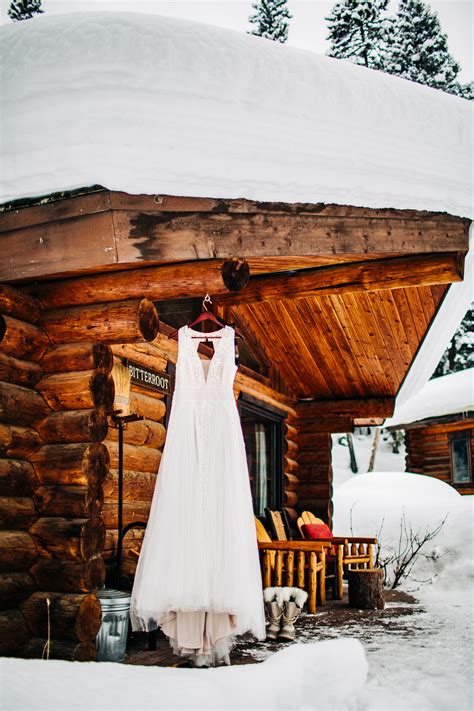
(323, 206)
(439, 430)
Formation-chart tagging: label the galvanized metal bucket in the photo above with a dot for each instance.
(111, 642)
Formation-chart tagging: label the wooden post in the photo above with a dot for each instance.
(312, 587)
(366, 589)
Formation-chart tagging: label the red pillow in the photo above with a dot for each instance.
(316, 531)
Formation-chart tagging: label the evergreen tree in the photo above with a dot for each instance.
(356, 29)
(24, 9)
(271, 19)
(417, 49)
(460, 352)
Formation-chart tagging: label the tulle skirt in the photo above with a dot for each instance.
(199, 554)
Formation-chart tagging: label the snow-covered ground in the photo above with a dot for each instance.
(426, 662)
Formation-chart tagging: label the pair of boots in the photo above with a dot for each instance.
(283, 607)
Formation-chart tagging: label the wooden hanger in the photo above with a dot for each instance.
(207, 315)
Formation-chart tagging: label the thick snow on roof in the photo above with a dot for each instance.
(147, 104)
(448, 395)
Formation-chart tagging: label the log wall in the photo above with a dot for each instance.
(56, 392)
(428, 451)
(143, 444)
(22, 345)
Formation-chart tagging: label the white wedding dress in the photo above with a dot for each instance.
(198, 576)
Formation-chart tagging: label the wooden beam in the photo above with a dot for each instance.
(370, 407)
(376, 275)
(174, 281)
(145, 236)
(107, 230)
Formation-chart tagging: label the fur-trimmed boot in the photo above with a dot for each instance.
(294, 599)
(274, 608)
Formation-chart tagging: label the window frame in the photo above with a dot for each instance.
(275, 418)
(466, 436)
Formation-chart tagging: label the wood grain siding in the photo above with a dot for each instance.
(347, 346)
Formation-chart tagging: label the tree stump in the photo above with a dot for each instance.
(366, 589)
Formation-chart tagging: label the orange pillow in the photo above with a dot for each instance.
(316, 531)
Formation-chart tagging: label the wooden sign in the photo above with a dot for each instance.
(150, 379)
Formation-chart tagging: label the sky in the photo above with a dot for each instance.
(308, 28)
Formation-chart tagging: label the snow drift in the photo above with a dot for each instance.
(383, 504)
(147, 104)
(325, 675)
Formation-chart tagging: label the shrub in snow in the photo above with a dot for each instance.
(24, 9)
(271, 19)
(404, 510)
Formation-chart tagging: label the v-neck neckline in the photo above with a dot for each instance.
(217, 348)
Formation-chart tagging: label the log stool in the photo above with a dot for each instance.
(366, 589)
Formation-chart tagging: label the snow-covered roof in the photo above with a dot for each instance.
(448, 395)
(148, 104)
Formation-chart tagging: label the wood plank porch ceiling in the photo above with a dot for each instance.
(346, 346)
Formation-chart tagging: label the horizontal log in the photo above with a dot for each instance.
(17, 303)
(15, 587)
(146, 433)
(89, 355)
(325, 423)
(137, 486)
(291, 482)
(306, 441)
(13, 632)
(21, 406)
(291, 448)
(143, 353)
(136, 458)
(132, 511)
(17, 477)
(291, 498)
(290, 430)
(83, 464)
(71, 616)
(68, 539)
(36, 648)
(155, 283)
(75, 426)
(20, 372)
(310, 457)
(120, 322)
(370, 407)
(69, 576)
(17, 513)
(78, 390)
(346, 278)
(289, 465)
(314, 490)
(315, 472)
(69, 501)
(18, 441)
(22, 340)
(17, 551)
(149, 407)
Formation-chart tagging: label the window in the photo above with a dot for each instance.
(461, 464)
(262, 427)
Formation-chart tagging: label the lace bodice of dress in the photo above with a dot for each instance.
(214, 380)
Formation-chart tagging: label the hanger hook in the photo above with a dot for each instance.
(207, 300)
